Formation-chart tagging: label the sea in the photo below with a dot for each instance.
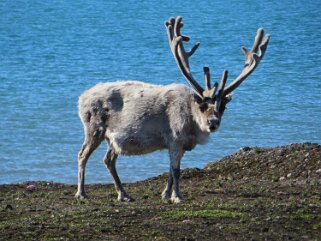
(52, 51)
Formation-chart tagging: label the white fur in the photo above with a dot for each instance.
(138, 118)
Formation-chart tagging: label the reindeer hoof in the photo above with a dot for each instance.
(80, 196)
(177, 200)
(176, 197)
(166, 196)
(123, 197)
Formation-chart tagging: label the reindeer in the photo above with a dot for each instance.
(137, 118)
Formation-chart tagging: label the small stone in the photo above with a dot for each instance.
(31, 188)
(289, 175)
(318, 171)
(282, 178)
(230, 178)
(34, 223)
(186, 221)
(245, 148)
(281, 152)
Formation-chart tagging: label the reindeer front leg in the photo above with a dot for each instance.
(175, 155)
(166, 194)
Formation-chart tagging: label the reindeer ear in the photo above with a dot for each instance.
(227, 98)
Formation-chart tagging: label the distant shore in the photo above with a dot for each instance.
(254, 194)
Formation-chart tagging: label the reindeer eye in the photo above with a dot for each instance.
(203, 107)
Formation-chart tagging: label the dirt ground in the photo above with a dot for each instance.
(254, 194)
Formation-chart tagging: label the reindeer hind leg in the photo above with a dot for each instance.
(110, 162)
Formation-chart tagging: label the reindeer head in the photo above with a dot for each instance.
(212, 100)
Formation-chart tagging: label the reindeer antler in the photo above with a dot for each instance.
(176, 39)
(253, 58)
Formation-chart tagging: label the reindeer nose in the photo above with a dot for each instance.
(213, 124)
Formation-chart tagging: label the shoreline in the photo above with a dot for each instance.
(254, 194)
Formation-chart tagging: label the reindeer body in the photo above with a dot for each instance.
(138, 118)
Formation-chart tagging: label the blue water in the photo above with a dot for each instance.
(51, 51)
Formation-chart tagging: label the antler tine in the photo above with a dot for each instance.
(215, 88)
(207, 77)
(209, 92)
(222, 83)
(169, 28)
(258, 39)
(252, 59)
(178, 24)
(176, 39)
(254, 49)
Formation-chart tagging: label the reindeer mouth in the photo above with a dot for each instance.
(213, 128)
(213, 125)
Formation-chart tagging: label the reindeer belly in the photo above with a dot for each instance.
(138, 145)
(133, 146)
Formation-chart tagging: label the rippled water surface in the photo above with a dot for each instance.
(51, 51)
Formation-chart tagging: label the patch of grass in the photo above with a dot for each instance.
(227, 206)
(202, 214)
(257, 150)
(317, 226)
(275, 179)
(306, 215)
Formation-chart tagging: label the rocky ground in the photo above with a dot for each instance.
(254, 194)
